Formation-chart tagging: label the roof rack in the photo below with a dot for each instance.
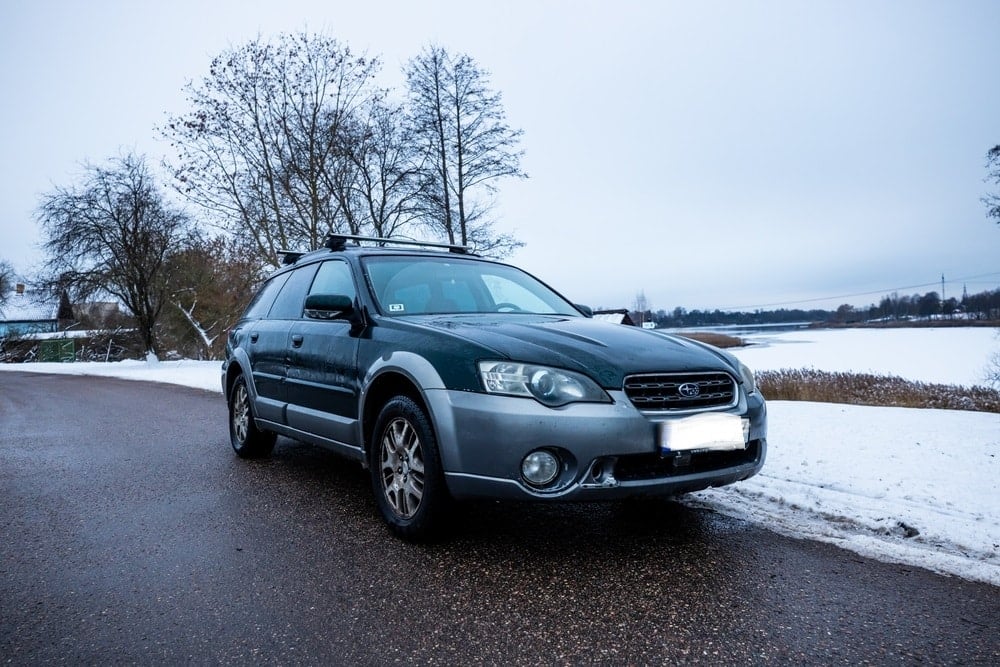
(289, 256)
(338, 242)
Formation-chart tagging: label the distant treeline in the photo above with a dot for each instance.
(893, 307)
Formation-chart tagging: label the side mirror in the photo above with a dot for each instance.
(586, 310)
(328, 306)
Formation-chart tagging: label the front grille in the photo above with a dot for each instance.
(653, 466)
(681, 391)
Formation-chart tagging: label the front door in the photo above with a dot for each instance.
(323, 385)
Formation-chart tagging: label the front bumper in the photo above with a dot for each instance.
(607, 451)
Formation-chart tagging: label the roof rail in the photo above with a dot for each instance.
(338, 242)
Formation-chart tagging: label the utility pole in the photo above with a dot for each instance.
(942, 296)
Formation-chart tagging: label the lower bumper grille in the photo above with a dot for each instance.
(636, 467)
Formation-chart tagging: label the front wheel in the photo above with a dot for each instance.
(406, 471)
(248, 441)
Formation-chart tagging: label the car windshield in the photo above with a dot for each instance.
(421, 285)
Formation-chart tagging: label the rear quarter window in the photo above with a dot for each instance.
(265, 298)
(291, 299)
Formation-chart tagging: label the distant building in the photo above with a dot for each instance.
(25, 312)
(619, 316)
(96, 314)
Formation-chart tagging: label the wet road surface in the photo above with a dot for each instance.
(129, 532)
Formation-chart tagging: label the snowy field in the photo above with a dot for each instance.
(897, 484)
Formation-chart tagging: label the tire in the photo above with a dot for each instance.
(406, 472)
(248, 441)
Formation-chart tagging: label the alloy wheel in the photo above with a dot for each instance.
(402, 467)
(241, 413)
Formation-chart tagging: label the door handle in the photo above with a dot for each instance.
(254, 336)
(297, 340)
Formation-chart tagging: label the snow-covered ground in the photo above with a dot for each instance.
(902, 485)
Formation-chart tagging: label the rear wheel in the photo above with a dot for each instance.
(406, 471)
(248, 441)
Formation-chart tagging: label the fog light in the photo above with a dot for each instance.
(540, 467)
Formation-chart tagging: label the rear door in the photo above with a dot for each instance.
(269, 345)
(264, 372)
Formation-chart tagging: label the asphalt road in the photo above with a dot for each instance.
(130, 533)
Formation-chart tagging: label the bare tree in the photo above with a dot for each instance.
(7, 279)
(111, 234)
(992, 200)
(385, 186)
(461, 131)
(991, 373)
(640, 307)
(261, 149)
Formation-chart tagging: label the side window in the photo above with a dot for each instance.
(265, 297)
(292, 297)
(333, 278)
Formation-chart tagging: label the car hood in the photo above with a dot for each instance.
(607, 352)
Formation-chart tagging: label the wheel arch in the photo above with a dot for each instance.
(232, 372)
(239, 364)
(380, 391)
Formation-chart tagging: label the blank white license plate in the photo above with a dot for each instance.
(708, 431)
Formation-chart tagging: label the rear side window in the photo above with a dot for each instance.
(265, 298)
(291, 299)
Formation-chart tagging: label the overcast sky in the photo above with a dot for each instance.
(711, 155)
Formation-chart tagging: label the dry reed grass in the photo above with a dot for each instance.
(716, 339)
(877, 390)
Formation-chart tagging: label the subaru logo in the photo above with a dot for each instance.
(689, 390)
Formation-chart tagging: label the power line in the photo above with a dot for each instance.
(857, 294)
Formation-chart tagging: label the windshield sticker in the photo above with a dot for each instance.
(396, 307)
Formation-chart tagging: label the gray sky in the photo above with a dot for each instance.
(711, 155)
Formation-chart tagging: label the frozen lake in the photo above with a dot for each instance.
(948, 355)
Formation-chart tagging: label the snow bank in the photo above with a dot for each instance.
(896, 484)
(197, 374)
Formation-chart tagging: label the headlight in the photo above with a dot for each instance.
(550, 386)
(749, 382)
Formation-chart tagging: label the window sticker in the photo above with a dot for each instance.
(396, 308)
